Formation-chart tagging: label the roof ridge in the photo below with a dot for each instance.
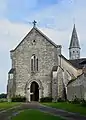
(49, 40)
(46, 37)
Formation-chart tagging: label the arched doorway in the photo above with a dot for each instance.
(34, 91)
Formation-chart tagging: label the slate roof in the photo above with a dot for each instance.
(83, 62)
(54, 68)
(11, 70)
(74, 43)
(78, 63)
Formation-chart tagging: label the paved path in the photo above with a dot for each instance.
(6, 115)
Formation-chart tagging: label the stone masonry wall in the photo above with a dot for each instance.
(21, 61)
(77, 88)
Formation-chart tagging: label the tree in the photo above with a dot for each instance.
(3, 95)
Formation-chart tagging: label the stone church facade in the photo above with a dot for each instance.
(32, 63)
(39, 69)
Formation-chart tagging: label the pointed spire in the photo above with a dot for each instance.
(74, 39)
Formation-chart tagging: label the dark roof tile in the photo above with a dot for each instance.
(54, 68)
(78, 63)
(11, 70)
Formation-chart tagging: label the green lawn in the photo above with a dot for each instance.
(6, 105)
(68, 107)
(35, 115)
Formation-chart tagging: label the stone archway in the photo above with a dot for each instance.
(29, 92)
(34, 91)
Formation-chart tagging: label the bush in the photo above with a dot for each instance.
(18, 99)
(46, 99)
(83, 103)
(76, 100)
(3, 95)
(3, 100)
(61, 100)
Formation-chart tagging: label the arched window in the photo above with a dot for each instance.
(34, 63)
(37, 63)
(31, 64)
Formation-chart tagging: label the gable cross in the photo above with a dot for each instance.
(34, 23)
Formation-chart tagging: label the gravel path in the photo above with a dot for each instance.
(6, 115)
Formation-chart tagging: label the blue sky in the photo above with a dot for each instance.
(17, 10)
(54, 17)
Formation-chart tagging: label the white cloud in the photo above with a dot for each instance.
(3, 7)
(10, 35)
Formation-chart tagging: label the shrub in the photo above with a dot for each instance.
(3, 100)
(76, 100)
(61, 100)
(3, 95)
(18, 99)
(46, 99)
(83, 103)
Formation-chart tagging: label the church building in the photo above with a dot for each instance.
(40, 70)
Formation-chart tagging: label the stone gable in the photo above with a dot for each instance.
(47, 53)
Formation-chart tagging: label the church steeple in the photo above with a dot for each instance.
(74, 48)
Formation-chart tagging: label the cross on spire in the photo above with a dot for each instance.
(34, 23)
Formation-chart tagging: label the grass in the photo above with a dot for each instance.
(6, 105)
(35, 115)
(77, 108)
